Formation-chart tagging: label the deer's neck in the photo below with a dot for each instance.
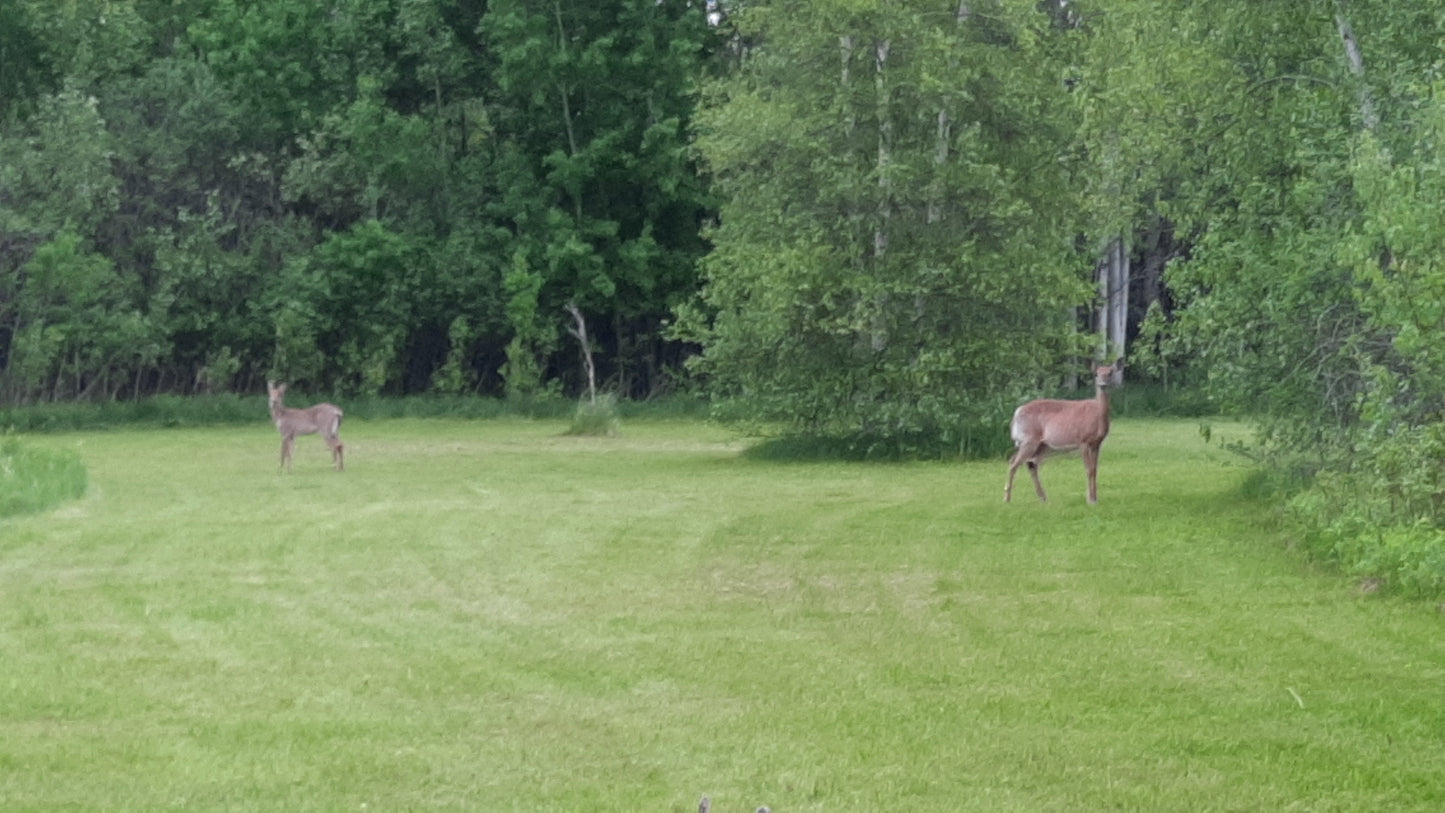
(1101, 397)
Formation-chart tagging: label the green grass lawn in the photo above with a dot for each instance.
(492, 616)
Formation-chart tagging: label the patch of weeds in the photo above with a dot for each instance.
(33, 480)
(597, 418)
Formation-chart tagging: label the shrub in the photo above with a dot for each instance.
(597, 417)
(1343, 521)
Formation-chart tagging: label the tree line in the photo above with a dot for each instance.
(880, 220)
(394, 196)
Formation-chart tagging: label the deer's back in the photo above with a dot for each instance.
(1061, 424)
(324, 418)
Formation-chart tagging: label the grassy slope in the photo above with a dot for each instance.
(491, 616)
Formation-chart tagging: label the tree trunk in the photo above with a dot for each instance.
(1113, 317)
(1368, 117)
(885, 201)
(945, 138)
(850, 119)
(885, 150)
(580, 331)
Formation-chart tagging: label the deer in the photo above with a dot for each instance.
(1047, 427)
(323, 418)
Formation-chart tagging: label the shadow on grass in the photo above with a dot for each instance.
(871, 448)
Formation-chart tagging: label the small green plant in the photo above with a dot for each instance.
(596, 417)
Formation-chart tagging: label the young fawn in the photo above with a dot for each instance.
(1045, 427)
(323, 419)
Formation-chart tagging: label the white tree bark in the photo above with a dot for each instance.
(885, 149)
(1113, 316)
(945, 134)
(1356, 61)
(881, 49)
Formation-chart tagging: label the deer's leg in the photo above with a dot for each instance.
(287, 442)
(338, 452)
(1013, 467)
(1025, 451)
(1038, 460)
(1091, 467)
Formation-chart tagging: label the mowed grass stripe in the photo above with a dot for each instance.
(490, 615)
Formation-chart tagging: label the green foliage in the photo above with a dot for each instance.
(71, 326)
(56, 170)
(1380, 512)
(332, 193)
(33, 480)
(1344, 521)
(1311, 296)
(532, 336)
(1160, 351)
(370, 161)
(597, 182)
(455, 377)
(875, 272)
(27, 58)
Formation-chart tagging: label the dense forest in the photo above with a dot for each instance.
(363, 196)
(886, 219)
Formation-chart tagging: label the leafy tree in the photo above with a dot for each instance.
(895, 246)
(237, 163)
(1268, 293)
(290, 61)
(356, 291)
(55, 184)
(73, 331)
(592, 105)
(1305, 171)
(27, 69)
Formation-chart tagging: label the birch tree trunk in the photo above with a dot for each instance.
(1356, 61)
(881, 50)
(885, 148)
(1113, 317)
(580, 332)
(945, 136)
(850, 118)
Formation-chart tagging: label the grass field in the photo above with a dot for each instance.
(489, 615)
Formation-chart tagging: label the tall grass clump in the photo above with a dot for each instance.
(33, 480)
(596, 417)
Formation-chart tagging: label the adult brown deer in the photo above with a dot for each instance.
(324, 419)
(1046, 427)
